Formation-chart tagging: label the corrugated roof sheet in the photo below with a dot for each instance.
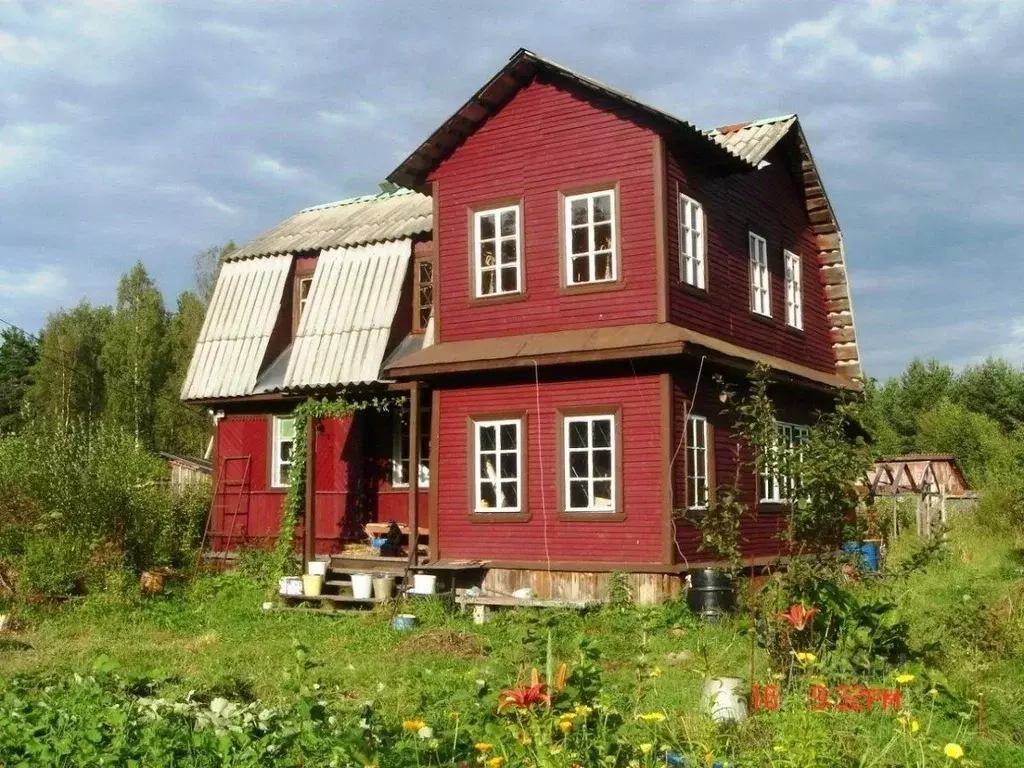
(237, 327)
(753, 141)
(345, 328)
(356, 221)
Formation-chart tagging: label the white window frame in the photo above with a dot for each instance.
(400, 446)
(277, 439)
(698, 464)
(479, 269)
(692, 244)
(478, 481)
(794, 290)
(590, 478)
(592, 251)
(304, 300)
(760, 279)
(776, 488)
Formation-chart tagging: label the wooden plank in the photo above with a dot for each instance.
(844, 335)
(833, 275)
(846, 352)
(515, 602)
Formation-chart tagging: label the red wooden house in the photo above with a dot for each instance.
(556, 296)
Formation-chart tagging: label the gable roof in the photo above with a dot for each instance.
(520, 70)
(753, 141)
(345, 223)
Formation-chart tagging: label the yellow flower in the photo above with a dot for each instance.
(565, 725)
(818, 680)
(646, 748)
(904, 678)
(583, 710)
(656, 671)
(953, 751)
(495, 762)
(806, 658)
(483, 746)
(933, 692)
(412, 725)
(653, 717)
(914, 726)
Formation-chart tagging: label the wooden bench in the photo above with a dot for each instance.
(482, 604)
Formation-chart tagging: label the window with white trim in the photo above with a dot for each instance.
(283, 439)
(697, 462)
(760, 282)
(794, 297)
(305, 283)
(589, 463)
(497, 246)
(691, 242)
(498, 458)
(590, 238)
(400, 446)
(779, 476)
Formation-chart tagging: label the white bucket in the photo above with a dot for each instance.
(424, 583)
(362, 586)
(723, 699)
(316, 567)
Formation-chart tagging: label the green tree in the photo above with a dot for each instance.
(67, 383)
(207, 266)
(977, 441)
(994, 388)
(18, 353)
(134, 356)
(180, 428)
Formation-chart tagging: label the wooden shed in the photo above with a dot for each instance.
(187, 470)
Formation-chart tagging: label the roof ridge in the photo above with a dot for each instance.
(401, 191)
(751, 123)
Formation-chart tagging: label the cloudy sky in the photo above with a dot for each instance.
(149, 130)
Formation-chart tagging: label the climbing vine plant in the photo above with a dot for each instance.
(295, 499)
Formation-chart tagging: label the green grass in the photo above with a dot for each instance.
(212, 637)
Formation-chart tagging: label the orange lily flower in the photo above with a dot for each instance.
(798, 616)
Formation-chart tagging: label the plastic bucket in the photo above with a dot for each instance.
(404, 622)
(383, 587)
(316, 567)
(312, 585)
(710, 594)
(723, 699)
(362, 586)
(424, 583)
(290, 586)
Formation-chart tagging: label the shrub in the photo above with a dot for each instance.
(53, 566)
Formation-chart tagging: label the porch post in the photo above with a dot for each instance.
(414, 473)
(309, 518)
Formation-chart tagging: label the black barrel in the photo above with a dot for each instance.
(710, 594)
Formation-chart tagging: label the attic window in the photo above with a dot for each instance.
(794, 293)
(691, 242)
(497, 248)
(424, 294)
(590, 253)
(760, 282)
(302, 287)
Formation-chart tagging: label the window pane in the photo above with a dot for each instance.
(487, 498)
(578, 210)
(286, 474)
(580, 240)
(508, 437)
(509, 464)
(508, 251)
(700, 492)
(602, 433)
(603, 237)
(510, 494)
(488, 471)
(487, 253)
(508, 280)
(578, 434)
(581, 269)
(487, 438)
(578, 495)
(603, 266)
(508, 223)
(603, 463)
(285, 449)
(487, 225)
(602, 493)
(603, 208)
(579, 466)
(488, 283)
(286, 428)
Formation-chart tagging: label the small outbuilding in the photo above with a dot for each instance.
(934, 480)
(187, 470)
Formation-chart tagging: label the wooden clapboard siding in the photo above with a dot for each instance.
(546, 140)
(544, 535)
(770, 203)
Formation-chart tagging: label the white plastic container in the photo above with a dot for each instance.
(362, 586)
(424, 583)
(317, 568)
(723, 698)
(290, 586)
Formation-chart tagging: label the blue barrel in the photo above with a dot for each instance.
(870, 556)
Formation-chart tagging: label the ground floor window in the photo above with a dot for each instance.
(283, 438)
(589, 456)
(780, 476)
(697, 462)
(498, 462)
(400, 446)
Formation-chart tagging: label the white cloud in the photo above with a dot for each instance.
(48, 281)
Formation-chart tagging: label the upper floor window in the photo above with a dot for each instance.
(498, 462)
(303, 284)
(424, 294)
(794, 298)
(282, 439)
(497, 250)
(400, 446)
(697, 464)
(780, 471)
(589, 458)
(590, 255)
(760, 281)
(692, 263)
